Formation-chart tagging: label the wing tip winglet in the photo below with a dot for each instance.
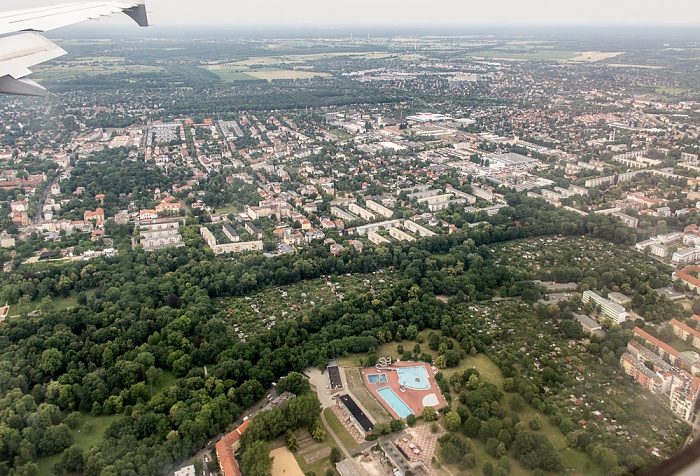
(138, 14)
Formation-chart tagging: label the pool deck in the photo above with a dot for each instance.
(412, 398)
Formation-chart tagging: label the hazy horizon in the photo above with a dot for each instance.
(302, 13)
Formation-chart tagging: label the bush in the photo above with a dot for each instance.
(336, 455)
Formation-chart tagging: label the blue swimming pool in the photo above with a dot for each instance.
(415, 377)
(395, 402)
(376, 378)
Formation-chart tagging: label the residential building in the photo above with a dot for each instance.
(686, 255)
(386, 225)
(618, 298)
(660, 348)
(609, 309)
(226, 449)
(416, 228)
(235, 247)
(98, 216)
(400, 235)
(186, 471)
(689, 276)
(482, 193)
(686, 333)
(361, 212)
(253, 230)
(147, 214)
(589, 325)
(380, 209)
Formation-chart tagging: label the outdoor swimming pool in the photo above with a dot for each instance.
(415, 377)
(376, 378)
(395, 402)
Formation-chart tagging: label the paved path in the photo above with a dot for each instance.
(340, 445)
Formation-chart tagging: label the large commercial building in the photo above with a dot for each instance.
(615, 312)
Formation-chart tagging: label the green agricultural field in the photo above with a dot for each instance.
(238, 72)
(669, 90)
(75, 70)
(538, 55)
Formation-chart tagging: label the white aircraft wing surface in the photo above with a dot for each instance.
(20, 48)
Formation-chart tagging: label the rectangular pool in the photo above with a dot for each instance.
(395, 402)
(376, 378)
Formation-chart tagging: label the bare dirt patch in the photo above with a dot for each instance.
(284, 463)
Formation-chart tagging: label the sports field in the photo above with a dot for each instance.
(284, 463)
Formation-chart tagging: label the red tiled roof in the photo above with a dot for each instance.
(685, 275)
(649, 338)
(224, 451)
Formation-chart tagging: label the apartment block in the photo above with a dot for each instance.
(380, 209)
(609, 309)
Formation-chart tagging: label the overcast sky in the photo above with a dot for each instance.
(410, 12)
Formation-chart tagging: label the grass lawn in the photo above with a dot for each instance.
(341, 134)
(89, 433)
(165, 380)
(231, 76)
(669, 90)
(389, 350)
(345, 438)
(239, 72)
(487, 369)
(366, 399)
(679, 344)
(58, 302)
(230, 208)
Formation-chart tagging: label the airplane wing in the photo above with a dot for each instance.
(20, 48)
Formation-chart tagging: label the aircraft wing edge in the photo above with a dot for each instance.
(17, 54)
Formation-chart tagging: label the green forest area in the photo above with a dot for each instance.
(124, 364)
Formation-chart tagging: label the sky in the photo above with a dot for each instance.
(409, 12)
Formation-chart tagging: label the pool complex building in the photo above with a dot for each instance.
(404, 388)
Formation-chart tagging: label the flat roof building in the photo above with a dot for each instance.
(609, 309)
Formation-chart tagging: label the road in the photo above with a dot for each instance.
(40, 205)
(204, 453)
